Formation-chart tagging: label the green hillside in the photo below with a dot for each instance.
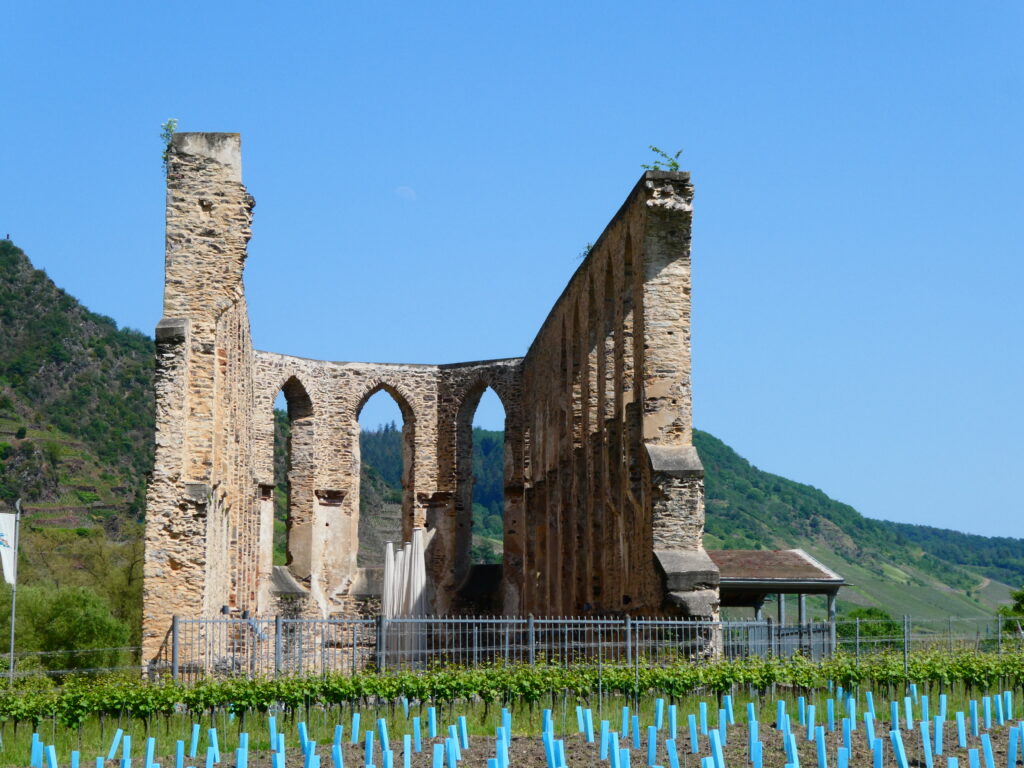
(925, 572)
(76, 432)
(902, 568)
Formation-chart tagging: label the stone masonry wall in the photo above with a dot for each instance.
(200, 528)
(432, 399)
(612, 476)
(603, 489)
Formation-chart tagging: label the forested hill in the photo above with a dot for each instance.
(76, 399)
(76, 438)
(905, 568)
(997, 557)
(76, 432)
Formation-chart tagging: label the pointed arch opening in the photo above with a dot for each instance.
(488, 500)
(293, 478)
(481, 476)
(385, 453)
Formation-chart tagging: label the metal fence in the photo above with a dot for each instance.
(223, 647)
(58, 663)
(280, 646)
(907, 634)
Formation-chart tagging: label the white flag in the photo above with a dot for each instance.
(8, 523)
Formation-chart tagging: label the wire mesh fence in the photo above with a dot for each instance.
(58, 663)
(908, 634)
(225, 647)
(232, 647)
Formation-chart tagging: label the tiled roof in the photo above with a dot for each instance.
(770, 564)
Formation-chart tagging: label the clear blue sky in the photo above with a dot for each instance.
(426, 173)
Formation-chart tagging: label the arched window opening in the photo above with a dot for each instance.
(488, 479)
(293, 478)
(384, 453)
(282, 431)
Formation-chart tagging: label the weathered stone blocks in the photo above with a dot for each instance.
(604, 504)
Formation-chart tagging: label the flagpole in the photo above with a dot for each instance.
(14, 580)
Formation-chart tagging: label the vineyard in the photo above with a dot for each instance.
(774, 712)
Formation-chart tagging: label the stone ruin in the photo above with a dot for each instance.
(604, 491)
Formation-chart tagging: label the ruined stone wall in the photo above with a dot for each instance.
(611, 474)
(460, 388)
(324, 506)
(437, 405)
(603, 489)
(201, 531)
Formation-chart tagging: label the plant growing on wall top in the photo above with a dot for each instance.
(166, 134)
(663, 161)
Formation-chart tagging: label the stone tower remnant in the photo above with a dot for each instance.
(604, 491)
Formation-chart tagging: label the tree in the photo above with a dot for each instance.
(72, 626)
(1014, 612)
(76, 621)
(481, 553)
(874, 622)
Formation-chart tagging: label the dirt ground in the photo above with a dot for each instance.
(528, 752)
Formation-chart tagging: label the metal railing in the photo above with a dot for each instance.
(73, 661)
(225, 647)
(907, 634)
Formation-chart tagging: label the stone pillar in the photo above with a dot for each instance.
(265, 563)
(677, 476)
(513, 573)
(201, 488)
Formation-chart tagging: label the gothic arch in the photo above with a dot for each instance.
(301, 471)
(397, 394)
(296, 395)
(468, 403)
(409, 421)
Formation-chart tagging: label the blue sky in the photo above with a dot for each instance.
(426, 176)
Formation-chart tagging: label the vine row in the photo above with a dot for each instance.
(76, 699)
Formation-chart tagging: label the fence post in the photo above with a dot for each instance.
(629, 641)
(999, 635)
(950, 634)
(532, 647)
(832, 624)
(278, 632)
(858, 638)
(506, 630)
(906, 644)
(381, 643)
(175, 649)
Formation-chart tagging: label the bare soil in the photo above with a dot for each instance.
(528, 752)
